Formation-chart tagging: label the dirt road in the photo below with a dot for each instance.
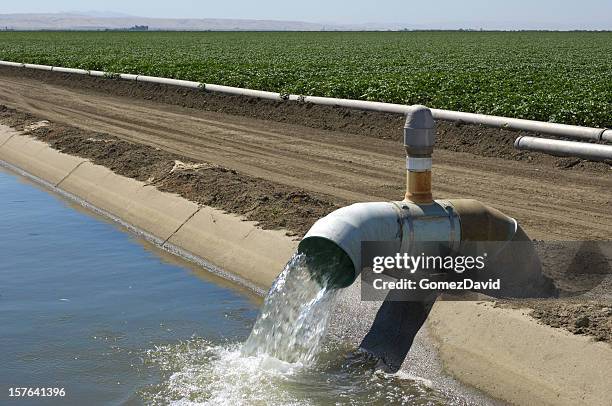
(551, 203)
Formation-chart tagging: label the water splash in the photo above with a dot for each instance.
(294, 317)
(200, 372)
(284, 361)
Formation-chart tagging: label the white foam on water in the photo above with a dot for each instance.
(201, 373)
(221, 375)
(283, 362)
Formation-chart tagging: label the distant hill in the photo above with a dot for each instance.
(87, 21)
(108, 20)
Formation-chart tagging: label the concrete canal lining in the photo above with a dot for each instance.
(225, 240)
(477, 343)
(511, 356)
(36, 157)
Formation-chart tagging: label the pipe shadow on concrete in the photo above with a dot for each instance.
(395, 326)
(570, 268)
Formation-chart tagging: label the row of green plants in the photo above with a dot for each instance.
(549, 76)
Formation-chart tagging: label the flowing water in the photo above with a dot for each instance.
(285, 360)
(88, 307)
(294, 317)
(82, 302)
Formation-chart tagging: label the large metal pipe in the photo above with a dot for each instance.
(358, 104)
(11, 64)
(39, 67)
(336, 238)
(166, 81)
(334, 243)
(70, 70)
(242, 92)
(560, 130)
(593, 152)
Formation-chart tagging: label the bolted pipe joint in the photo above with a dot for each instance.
(419, 140)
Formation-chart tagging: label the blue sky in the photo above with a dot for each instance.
(554, 14)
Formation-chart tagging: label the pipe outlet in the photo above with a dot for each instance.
(333, 244)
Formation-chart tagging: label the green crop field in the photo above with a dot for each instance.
(559, 77)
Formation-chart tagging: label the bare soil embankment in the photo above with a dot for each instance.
(458, 137)
(272, 205)
(591, 318)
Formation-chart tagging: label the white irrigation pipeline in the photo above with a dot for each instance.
(559, 130)
(593, 152)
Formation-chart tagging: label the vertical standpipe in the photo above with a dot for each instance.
(333, 244)
(419, 140)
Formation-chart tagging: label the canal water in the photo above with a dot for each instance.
(90, 308)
